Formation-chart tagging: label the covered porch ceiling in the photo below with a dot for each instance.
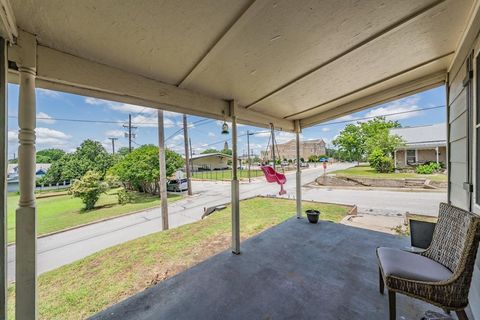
(279, 60)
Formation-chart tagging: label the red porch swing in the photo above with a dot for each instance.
(270, 173)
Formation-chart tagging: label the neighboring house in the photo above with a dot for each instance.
(210, 161)
(307, 148)
(40, 170)
(12, 174)
(422, 144)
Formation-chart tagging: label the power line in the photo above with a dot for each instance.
(373, 117)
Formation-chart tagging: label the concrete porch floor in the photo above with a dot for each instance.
(295, 270)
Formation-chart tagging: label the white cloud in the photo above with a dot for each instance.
(150, 121)
(325, 129)
(211, 134)
(42, 117)
(176, 147)
(178, 138)
(129, 108)
(51, 137)
(347, 117)
(117, 106)
(263, 134)
(403, 105)
(95, 101)
(12, 136)
(114, 133)
(48, 93)
(171, 114)
(190, 125)
(282, 137)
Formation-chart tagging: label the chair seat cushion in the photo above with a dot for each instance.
(411, 266)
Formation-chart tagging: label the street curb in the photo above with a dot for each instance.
(95, 222)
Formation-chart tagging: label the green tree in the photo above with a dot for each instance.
(90, 155)
(313, 158)
(210, 150)
(89, 188)
(227, 151)
(377, 135)
(351, 143)
(123, 151)
(357, 141)
(49, 155)
(139, 170)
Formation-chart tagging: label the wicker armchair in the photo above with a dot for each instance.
(441, 275)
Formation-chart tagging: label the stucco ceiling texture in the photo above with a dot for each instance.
(283, 58)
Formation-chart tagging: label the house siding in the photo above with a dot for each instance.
(210, 163)
(461, 163)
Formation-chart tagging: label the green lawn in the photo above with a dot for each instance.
(80, 289)
(63, 211)
(365, 171)
(225, 174)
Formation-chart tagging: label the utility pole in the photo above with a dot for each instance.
(187, 155)
(113, 144)
(130, 135)
(163, 170)
(191, 153)
(248, 154)
(273, 146)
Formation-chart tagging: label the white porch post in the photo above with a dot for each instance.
(395, 159)
(235, 184)
(405, 154)
(3, 178)
(299, 170)
(163, 170)
(436, 153)
(26, 224)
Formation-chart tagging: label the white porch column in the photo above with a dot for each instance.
(3, 178)
(163, 170)
(299, 170)
(395, 159)
(235, 184)
(436, 153)
(26, 224)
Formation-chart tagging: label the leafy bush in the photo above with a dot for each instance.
(124, 196)
(380, 162)
(384, 165)
(375, 157)
(113, 181)
(428, 168)
(88, 188)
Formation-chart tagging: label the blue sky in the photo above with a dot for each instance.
(205, 134)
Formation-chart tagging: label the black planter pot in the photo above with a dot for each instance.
(313, 215)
